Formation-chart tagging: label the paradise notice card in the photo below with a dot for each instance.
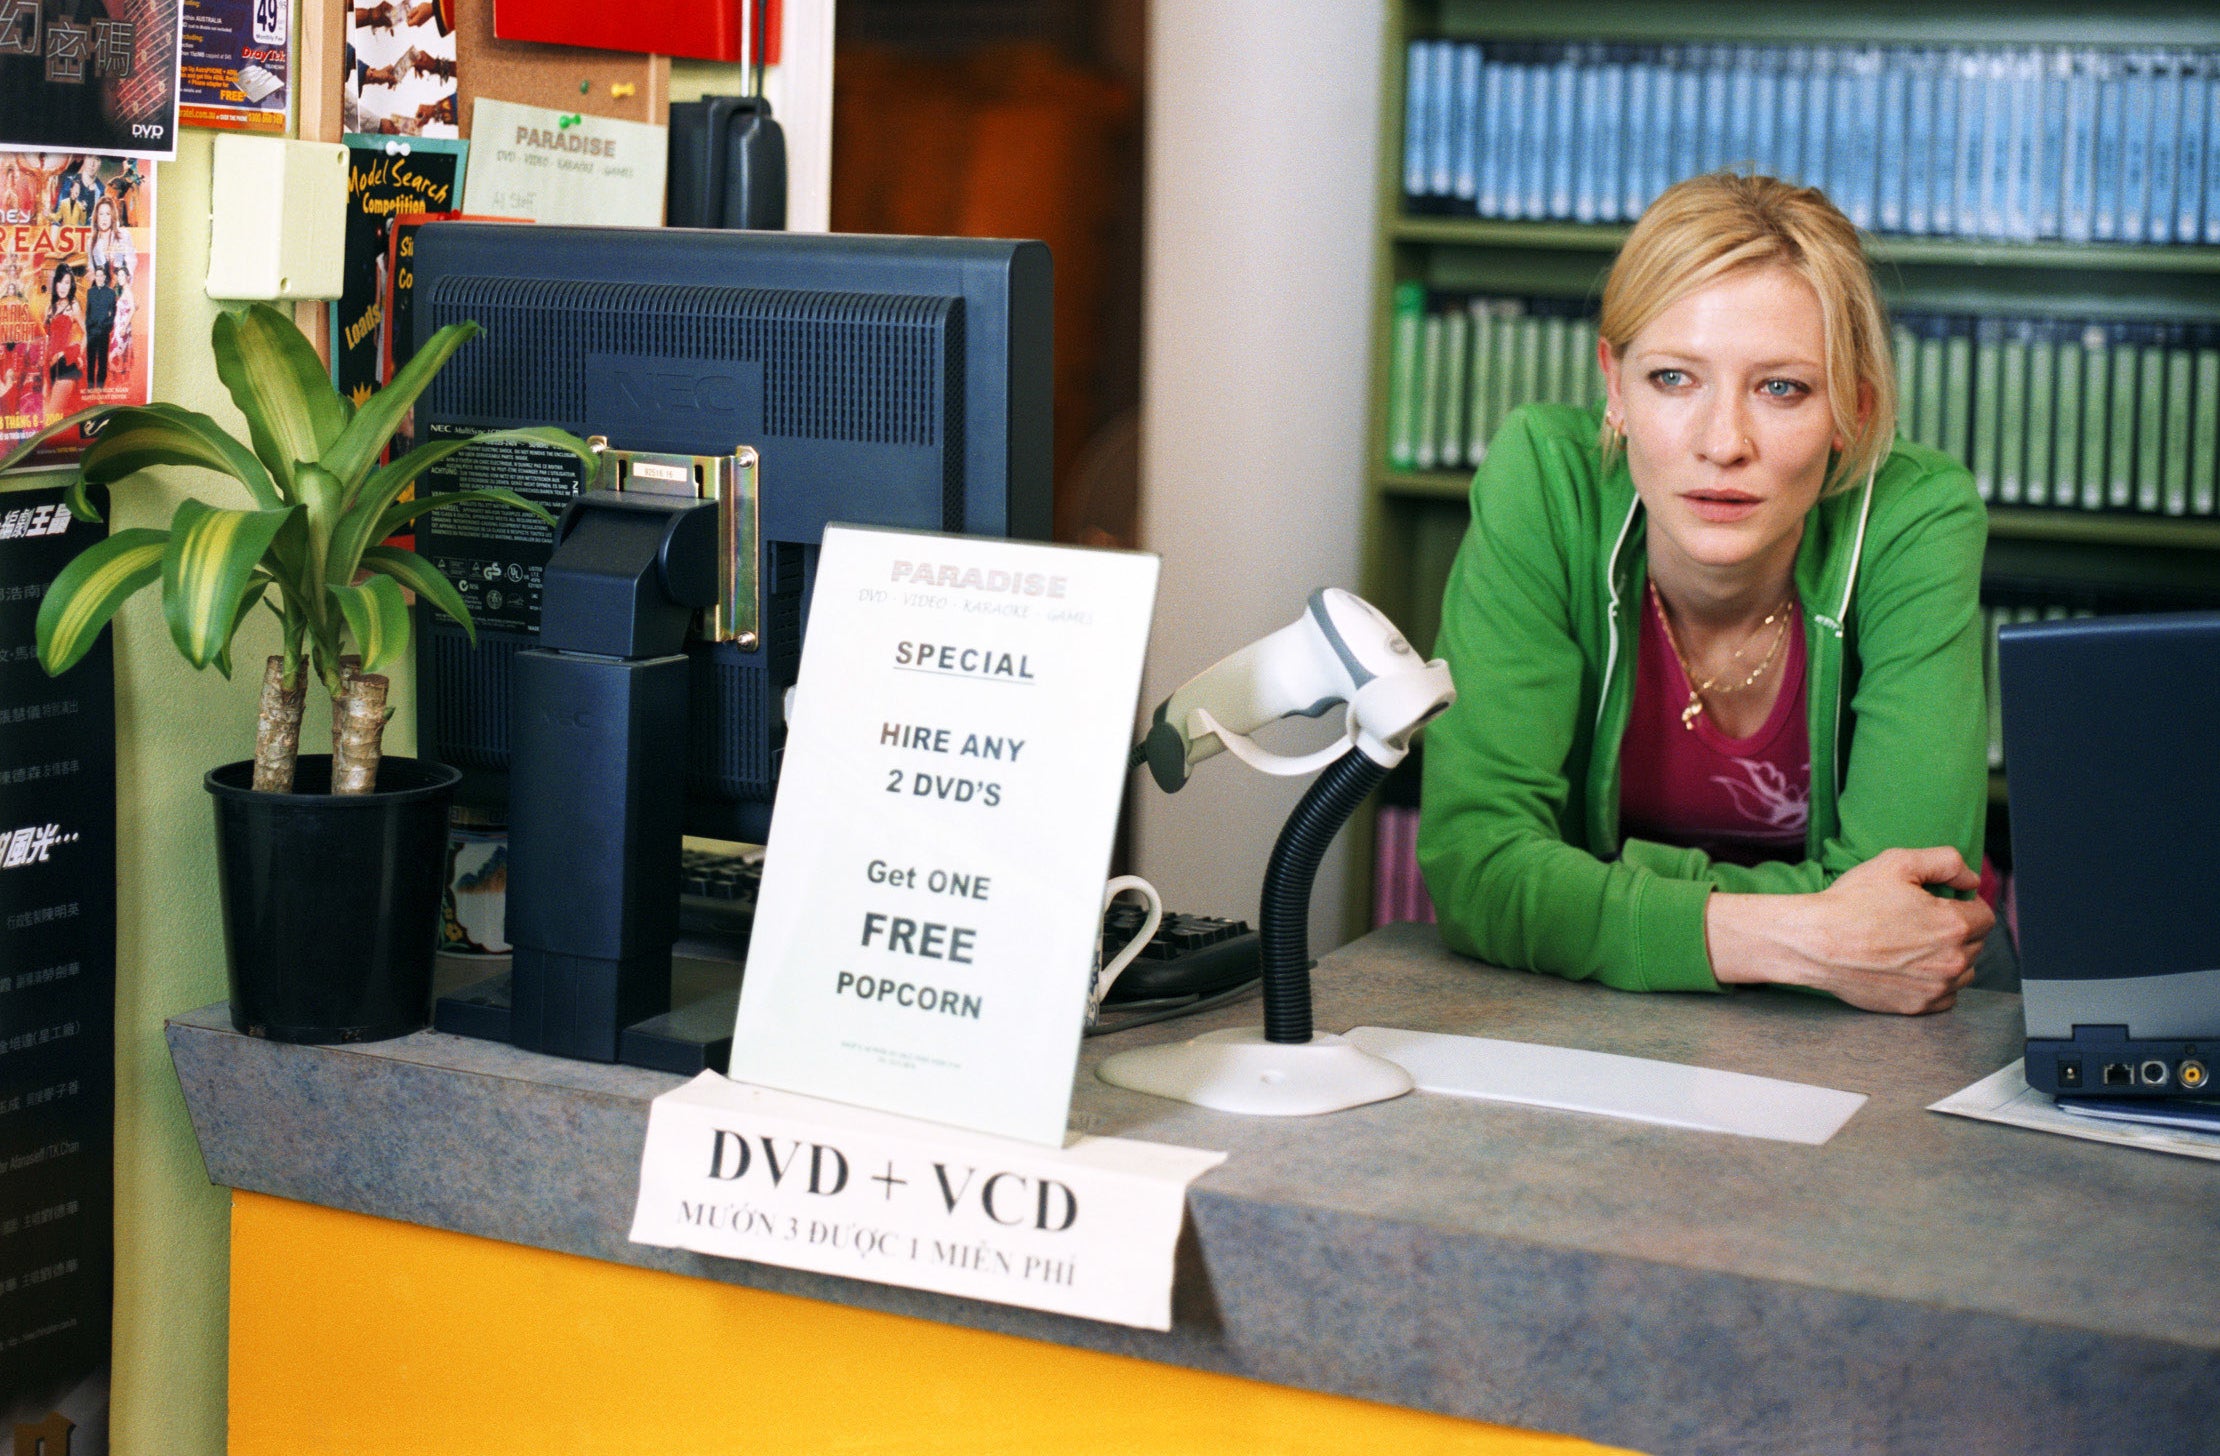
(933, 890)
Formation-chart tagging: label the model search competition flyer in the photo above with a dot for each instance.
(954, 763)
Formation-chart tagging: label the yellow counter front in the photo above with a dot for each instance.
(358, 1334)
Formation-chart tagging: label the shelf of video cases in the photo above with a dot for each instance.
(2099, 429)
(2011, 522)
(1996, 229)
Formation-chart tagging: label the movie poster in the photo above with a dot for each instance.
(400, 78)
(76, 291)
(90, 75)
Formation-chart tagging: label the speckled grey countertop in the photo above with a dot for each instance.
(1920, 1283)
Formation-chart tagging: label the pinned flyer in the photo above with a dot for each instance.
(932, 893)
(749, 1173)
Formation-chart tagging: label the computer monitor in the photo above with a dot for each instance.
(881, 380)
(2108, 725)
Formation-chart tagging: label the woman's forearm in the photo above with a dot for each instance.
(1760, 939)
(1877, 938)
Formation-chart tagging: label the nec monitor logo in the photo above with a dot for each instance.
(679, 391)
(674, 392)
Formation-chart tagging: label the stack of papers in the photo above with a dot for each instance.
(2006, 1097)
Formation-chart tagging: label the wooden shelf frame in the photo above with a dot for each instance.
(1886, 249)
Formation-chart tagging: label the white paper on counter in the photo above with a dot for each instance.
(748, 1172)
(1668, 1093)
(531, 162)
(2005, 1097)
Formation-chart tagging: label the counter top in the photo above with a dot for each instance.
(1919, 1283)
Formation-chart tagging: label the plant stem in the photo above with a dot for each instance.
(358, 715)
(277, 732)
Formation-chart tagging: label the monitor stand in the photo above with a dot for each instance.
(595, 807)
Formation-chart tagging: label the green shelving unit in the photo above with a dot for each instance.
(1887, 252)
(1414, 518)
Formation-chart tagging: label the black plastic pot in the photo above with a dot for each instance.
(332, 901)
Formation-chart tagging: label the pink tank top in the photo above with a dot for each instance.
(1740, 800)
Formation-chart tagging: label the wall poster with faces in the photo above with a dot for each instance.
(76, 291)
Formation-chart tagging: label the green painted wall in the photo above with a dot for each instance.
(172, 726)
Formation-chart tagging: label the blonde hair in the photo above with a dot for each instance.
(1698, 231)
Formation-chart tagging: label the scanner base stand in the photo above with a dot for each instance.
(1237, 1070)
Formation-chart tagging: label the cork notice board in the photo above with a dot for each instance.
(619, 84)
(563, 77)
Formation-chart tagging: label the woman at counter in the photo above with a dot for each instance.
(1719, 710)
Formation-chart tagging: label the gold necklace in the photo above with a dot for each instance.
(1696, 690)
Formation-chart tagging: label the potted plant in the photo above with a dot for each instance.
(330, 866)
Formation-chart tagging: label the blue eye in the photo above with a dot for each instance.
(1784, 388)
(1668, 378)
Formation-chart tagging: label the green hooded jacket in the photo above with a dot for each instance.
(1519, 834)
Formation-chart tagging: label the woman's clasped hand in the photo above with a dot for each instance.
(1876, 937)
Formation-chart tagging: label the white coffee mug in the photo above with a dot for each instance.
(1105, 976)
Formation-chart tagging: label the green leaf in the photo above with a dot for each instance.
(255, 590)
(207, 569)
(367, 513)
(381, 414)
(162, 434)
(378, 618)
(79, 503)
(87, 592)
(320, 495)
(287, 562)
(279, 384)
(23, 449)
(423, 578)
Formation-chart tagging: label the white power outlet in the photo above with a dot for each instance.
(277, 218)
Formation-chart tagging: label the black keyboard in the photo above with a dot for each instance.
(717, 891)
(1192, 960)
(1189, 954)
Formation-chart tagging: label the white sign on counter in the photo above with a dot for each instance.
(933, 892)
(749, 1173)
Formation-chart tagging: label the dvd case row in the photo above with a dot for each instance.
(1460, 365)
(2080, 144)
(2070, 414)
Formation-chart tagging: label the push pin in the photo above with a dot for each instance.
(622, 89)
